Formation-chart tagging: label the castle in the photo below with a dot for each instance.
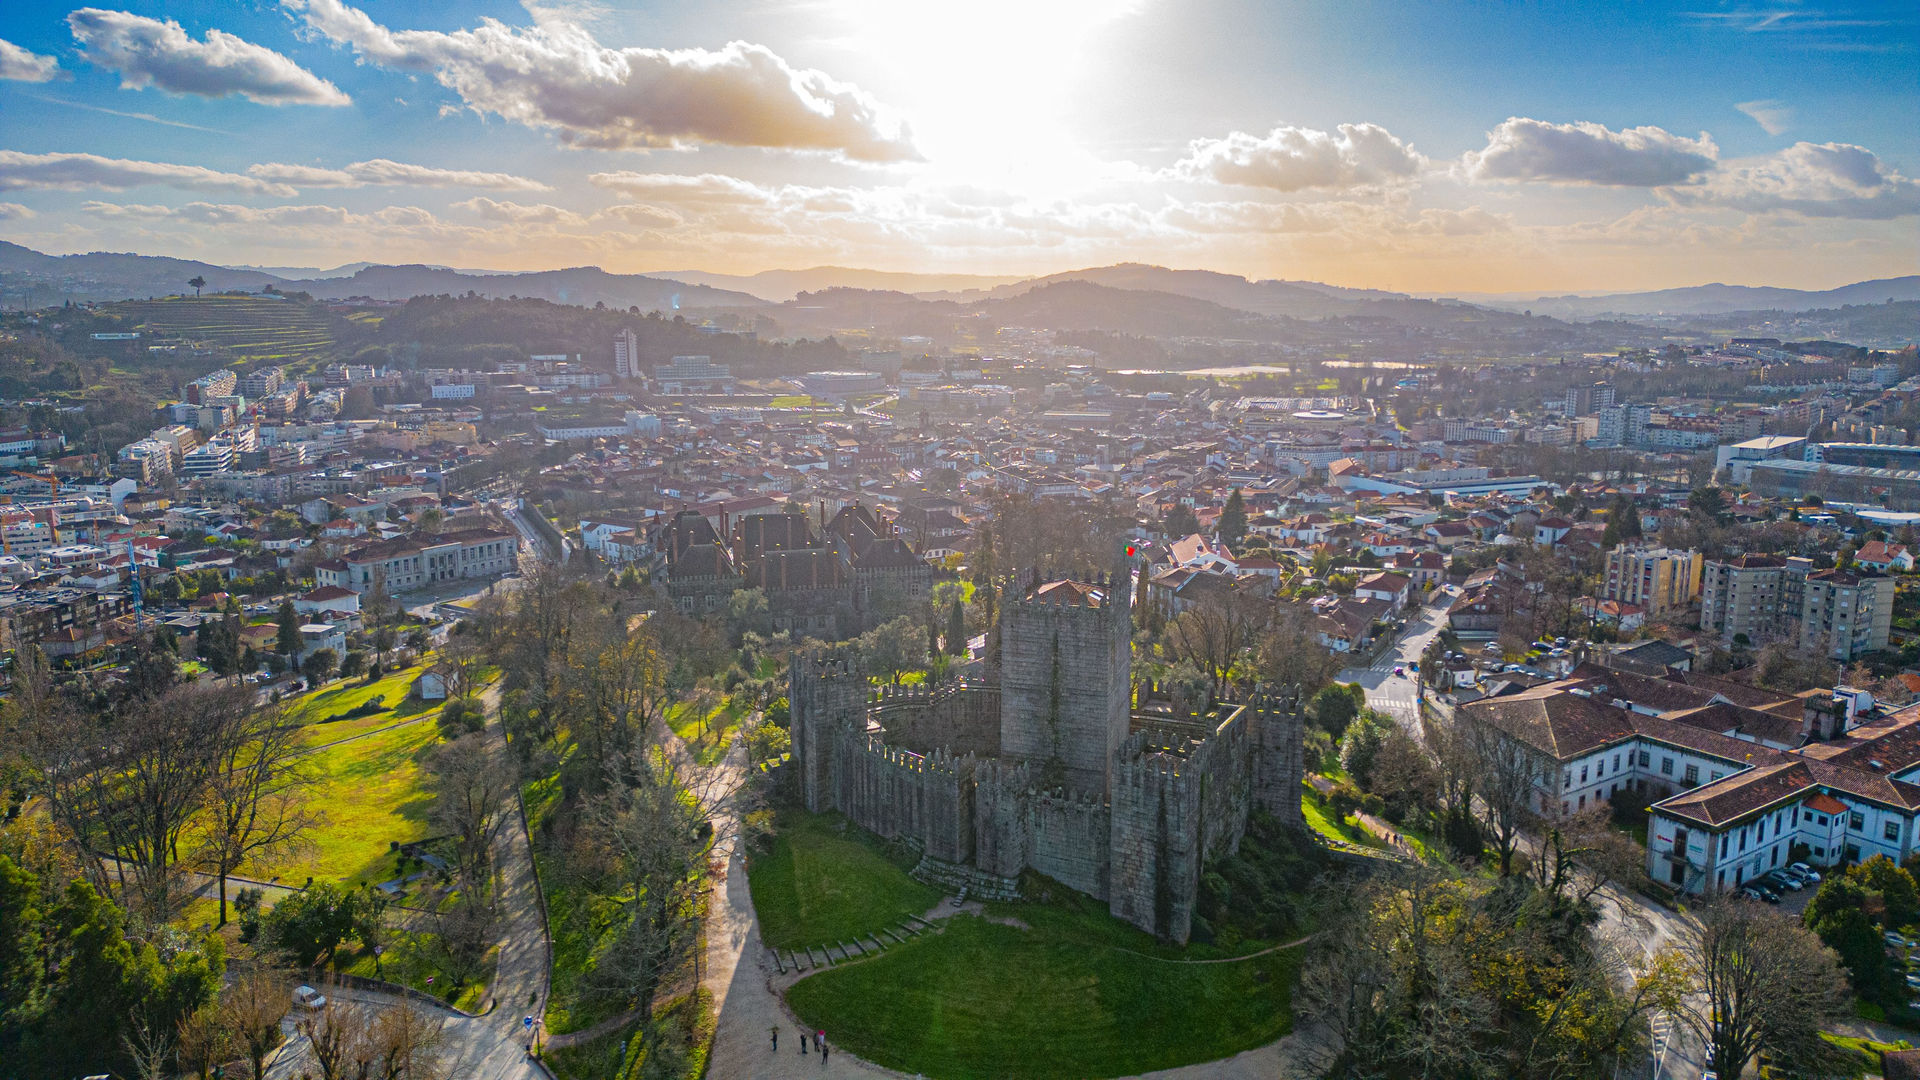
(1048, 764)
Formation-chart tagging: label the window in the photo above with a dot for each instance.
(1853, 852)
(1583, 774)
(1666, 766)
(1892, 831)
(1693, 774)
(1583, 802)
(1616, 763)
(1567, 780)
(1856, 821)
(1646, 759)
(1680, 838)
(1723, 845)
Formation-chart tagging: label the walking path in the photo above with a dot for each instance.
(491, 1046)
(741, 980)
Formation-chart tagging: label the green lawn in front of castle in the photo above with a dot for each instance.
(1048, 993)
(826, 880)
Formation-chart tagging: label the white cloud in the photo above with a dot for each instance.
(642, 214)
(557, 75)
(384, 173)
(78, 172)
(1588, 153)
(1772, 116)
(216, 214)
(20, 65)
(13, 211)
(698, 188)
(147, 52)
(514, 213)
(1821, 180)
(1299, 159)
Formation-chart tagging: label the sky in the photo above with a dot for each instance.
(1434, 147)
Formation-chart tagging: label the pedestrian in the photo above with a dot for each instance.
(803, 1042)
(823, 1054)
(776, 1037)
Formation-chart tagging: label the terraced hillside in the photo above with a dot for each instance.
(253, 328)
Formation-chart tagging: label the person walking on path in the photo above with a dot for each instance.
(820, 1040)
(803, 1042)
(776, 1039)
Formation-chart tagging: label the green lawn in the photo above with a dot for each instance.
(826, 880)
(349, 694)
(1320, 820)
(371, 792)
(982, 999)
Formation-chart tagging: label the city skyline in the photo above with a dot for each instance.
(1448, 149)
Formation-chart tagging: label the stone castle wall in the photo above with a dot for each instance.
(1155, 844)
(961, 719)
(942, 767)
(1066, 685)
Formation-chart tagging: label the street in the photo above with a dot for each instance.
(1396, 695)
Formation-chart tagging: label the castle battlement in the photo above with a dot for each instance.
(1046, 766)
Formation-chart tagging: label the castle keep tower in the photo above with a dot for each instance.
(1048, 767)
(1066, 688)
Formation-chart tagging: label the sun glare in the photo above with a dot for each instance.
(989, 84)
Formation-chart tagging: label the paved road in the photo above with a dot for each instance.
(491, 1046)
(1392, 694)
(475, 1048)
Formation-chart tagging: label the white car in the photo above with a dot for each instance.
(306, 997)
(1806, 871)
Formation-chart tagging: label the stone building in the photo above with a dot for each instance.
(1050, 764)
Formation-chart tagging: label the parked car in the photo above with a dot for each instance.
(306, 997)
(1896, 940)
(1780, 879)
(1400, 672)
(1806, 871)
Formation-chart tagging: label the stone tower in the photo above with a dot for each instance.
(823, 696)
(1066, 679)
(1279, 730)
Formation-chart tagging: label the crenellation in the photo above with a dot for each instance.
(1049, 769)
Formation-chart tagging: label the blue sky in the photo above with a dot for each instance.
(1434, 146)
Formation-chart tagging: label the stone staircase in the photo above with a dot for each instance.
(966, 882)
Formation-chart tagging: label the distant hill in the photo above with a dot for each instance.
(581, 285)
(1713, 299)
(28, 276)
(1291, 299)
(780, 286)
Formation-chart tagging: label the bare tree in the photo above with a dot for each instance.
(1213, 635)
(151, 1049)
(127, 785)
(1507, 774)
(254, 798)
(352, 1040)
(201, 1042)
(659, 824)
(1761, 984)
(459, 664)
(471, 787)
(250, 1011)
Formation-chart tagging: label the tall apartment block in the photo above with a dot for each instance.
(1661, 580)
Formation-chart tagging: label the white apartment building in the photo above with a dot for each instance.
(416, 562)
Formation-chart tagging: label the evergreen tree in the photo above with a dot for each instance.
(1233, 520)
(956, 629)
(287, 642)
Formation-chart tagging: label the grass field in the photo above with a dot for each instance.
(822, 882)
(983, 999)
(349, 694)
(371, 792)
